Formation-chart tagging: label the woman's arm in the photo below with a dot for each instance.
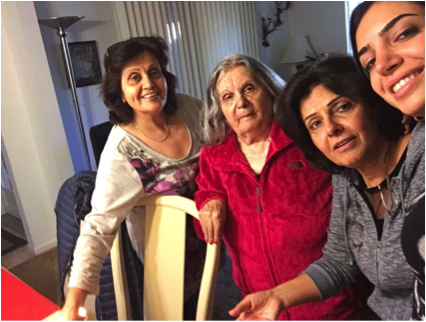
(117, 190)
(211, 200)
(75, 299)
(267, 305)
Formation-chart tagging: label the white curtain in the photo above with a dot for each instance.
(199, 33)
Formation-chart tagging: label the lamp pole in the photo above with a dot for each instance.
(60, 24)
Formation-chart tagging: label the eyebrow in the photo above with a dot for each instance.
(250, 80)
(386, 28)
(329, 103)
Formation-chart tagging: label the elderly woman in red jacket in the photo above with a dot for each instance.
(258, 191)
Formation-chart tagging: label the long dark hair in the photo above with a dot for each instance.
(116, 57)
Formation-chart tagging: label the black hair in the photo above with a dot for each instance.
(339, 74)
(116, 57)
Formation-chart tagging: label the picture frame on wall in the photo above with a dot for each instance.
(85, 63)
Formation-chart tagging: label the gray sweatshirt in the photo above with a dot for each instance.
(352, 246)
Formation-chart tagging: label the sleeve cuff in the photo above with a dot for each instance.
(88, 287)
(322, 280)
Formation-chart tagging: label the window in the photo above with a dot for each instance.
(349, 7)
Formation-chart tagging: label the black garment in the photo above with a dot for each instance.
(359, 183)
(413, 246)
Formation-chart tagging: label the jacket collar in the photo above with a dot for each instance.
(228, 157)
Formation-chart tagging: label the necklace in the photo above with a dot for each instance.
(376, 211)
(161, 140)
(394, 204)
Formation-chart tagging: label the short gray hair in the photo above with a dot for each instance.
(213, 120)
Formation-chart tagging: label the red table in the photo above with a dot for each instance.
(21, 302)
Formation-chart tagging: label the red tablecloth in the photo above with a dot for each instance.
(21, 302)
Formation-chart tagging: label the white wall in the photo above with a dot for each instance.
(37, 158)
(3, 210)
(100, 25)
(271, 56)
(323, 22)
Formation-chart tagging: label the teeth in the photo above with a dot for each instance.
(404, 81)
(150, 95)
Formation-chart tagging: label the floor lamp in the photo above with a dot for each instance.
(60, 24)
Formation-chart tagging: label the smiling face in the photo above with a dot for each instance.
(391, 46)
(245, 103)
(143, 84)
(340, 128)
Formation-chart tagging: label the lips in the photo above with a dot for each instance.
(150, 95)
(342, 143)
(245, 115)
(396, 87)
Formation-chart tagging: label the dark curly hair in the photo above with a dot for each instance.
(116, 57)
(356, 18)
(339, 74)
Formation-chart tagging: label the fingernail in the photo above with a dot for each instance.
(215, 242)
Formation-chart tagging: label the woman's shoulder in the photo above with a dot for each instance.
(115, 138)
(188, 103)
(118, 146)
(224, 150)
(189, 110)
(340, 185)
(417, 140)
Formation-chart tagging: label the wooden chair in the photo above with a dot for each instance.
(164, 263)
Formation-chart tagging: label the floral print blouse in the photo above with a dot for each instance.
(129, 170)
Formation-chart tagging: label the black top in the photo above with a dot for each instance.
(413, 247)
(359, 183)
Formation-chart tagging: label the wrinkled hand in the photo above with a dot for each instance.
(258, 306)
(212, 219)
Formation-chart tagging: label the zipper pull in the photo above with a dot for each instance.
(258, 191)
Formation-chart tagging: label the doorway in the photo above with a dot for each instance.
(12, 230)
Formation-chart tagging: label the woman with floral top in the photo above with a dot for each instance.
(153, 148)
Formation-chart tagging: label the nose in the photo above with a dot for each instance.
(147, 83)
(387, 61)
(333, 128)
(241, 101)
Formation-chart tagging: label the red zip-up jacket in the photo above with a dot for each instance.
(276, 225)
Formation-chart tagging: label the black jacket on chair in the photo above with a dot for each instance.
(72, 205)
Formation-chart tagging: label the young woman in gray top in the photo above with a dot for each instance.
(342, 126)
(388, 41)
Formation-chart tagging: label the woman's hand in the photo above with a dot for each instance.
(266, 305)
(260, 306)
(212, 218)
(75, 300)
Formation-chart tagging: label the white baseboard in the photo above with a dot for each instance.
(45, 247)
